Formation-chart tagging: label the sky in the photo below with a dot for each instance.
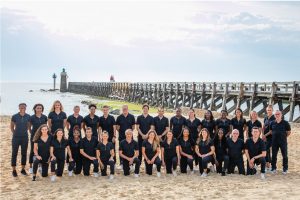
(150, 41)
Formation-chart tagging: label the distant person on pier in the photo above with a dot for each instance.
(177, 123)
(224, 123)
(92, 121)
(57, 118)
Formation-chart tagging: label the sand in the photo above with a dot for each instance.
(150, 187)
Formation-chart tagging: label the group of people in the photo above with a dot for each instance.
(180, 141)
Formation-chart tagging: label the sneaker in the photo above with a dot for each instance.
(70, 173)
(96, 175)
(158, 174)
(262, 176)
(34, 178)
(174, 173)
(111, 177)
(273, 171)
(136, 175)
(14, 173)
(52, 178)
(284, 172)
(23, 172)
(30, 170)
(204, 174)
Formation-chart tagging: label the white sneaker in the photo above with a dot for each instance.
(136, 175)
(120, 167)
(53, 177)
(70, 173)
(30, 170)
(158, 174)
(174, 173)
(154, 167)
(131, 168)
(96, 175)
(274, 171)
(284, 172)
(204, 174)
(262, 176)
(111, 177)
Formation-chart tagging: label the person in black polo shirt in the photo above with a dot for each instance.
(186, 146)
(75, 143)
(57, 118)
(161, 124)
(105, 155)
(151, 152)
(209, 123)
(267, 136)
(280, 130)
(88, 147)
(107, 123)
(144, 124)
(36, 121)
(224, 123)
(19, 126)
(255, 151)
(177, 123)
(124, 121)
(129, 152)
(235, 147)
(170, 153)
(59, 144)
(42, 141)
(239, 123)
(221, 155)
(92, 121)
(74, 120)
(251, 123)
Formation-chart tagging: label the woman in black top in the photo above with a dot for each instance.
(253, 122)
(209, 123)
(42, 140)
(151, 152)
(220, 155)
(105, 155)
(170, 153)
(57, 118)
(239, 123)
(58, 148)
(74, 120)
(205, 150)
(224, 123)
(74, 143)
(186, 150)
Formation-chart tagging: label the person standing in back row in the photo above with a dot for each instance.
(92, 121)
(161, 124)
(57, 118)
(177, 123)
(74, 120)
(253, 122)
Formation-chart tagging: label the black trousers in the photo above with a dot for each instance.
(111, 164)
(223, 163)
(282, 145)
(87, 165)
(140, 142)
(57, 166)
(149, 167)
(203, 162)
(31, 150)
(171, 163)
(184, 162)
(45, 167)
(75, 166)
(126, 167)
(239, 162)
(261, 162)
(16, 143)
(268, 148)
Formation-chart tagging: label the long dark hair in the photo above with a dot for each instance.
(242, 114)
(223, 139)
(55, 134)
(38, 132)
(211, 115)
(36, 105)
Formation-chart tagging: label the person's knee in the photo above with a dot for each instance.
(111, 163)
(137, 161)
(174, 160)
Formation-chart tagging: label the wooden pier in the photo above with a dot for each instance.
(207, 95)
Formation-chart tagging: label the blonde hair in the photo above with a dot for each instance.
(156, 141)
(53, 106)
(38, 133)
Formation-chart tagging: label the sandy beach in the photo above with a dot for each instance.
(167, 187)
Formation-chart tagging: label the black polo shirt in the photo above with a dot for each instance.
(239, 125)
(224, 124)
(235, 149)
(267, 123)
(170, 149)
(177, 125)
(36, 122)
(44, 148)
(89, 146)
(256, 148)
(160, 124)
(124, 123)
(57, 120)
(144, 123)
(107, 124)
(205, 147)
(92, 123)
(74, 121)
(279, 130)
(75, 149)
(250, 125)
(149, 149)
(21, 125)
(59, 148)
(193, 127)
(187, 146)
(128, 149)
(210, 126)
(220, 147)
(105, 150)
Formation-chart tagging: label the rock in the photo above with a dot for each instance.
(30, 91)
(115, 112)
